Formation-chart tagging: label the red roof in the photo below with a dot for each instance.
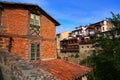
(63, 69)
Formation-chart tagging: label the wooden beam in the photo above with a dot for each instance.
(7, 35)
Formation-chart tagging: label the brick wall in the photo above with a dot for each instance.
(20, 47)
(48, 46)
(16, 20)
(48, 50)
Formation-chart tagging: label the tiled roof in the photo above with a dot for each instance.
(63, 69)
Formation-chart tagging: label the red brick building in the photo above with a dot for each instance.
(28, 31)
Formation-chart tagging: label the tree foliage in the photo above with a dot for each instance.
(106, 59)
(77, 55)
(115, 20)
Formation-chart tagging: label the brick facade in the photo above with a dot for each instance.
(17, 20)
(16, 17)
(48, 46)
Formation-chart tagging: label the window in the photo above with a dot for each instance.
(82, 46)
(103, 28)
(34, 25)
(35, 51)
(76, 33)
(35, 19)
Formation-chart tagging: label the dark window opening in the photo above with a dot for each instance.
(103, 28)
(87, 46)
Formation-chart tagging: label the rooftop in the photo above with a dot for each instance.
(63, 69)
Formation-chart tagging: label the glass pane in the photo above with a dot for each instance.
(32, 56)
(37, 22)
(32, 51)
(38, 50)
(37, 17)
(32, 16)
(32, 21)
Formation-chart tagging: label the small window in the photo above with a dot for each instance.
(103, 28)
(82, 46)
(87, 46)
(35, 20)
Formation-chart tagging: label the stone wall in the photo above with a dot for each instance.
(13, 68)
(70, 57)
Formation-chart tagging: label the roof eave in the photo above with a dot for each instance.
(56, 22)
(42, 11)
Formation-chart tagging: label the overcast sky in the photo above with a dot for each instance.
(73, 13)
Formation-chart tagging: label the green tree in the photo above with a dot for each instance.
(1, 75)
(77, 55)
(106, 59)
(115, 20)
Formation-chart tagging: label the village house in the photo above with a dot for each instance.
(27, 31)
(59, 37)
(98, 27)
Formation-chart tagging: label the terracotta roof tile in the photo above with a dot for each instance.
(63, 69)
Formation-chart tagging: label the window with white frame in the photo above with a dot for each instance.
(34, 24)
(34, 19)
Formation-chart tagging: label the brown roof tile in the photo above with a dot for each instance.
(63, 69)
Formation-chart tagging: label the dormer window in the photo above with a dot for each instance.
(34, 25)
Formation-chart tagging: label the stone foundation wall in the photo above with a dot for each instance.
(13, 68)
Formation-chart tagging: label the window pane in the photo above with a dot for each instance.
(37, 17)
(37, 22)
(32, 21)
(32, 56)
(32, 16)
(32, 51)
(38, 50)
